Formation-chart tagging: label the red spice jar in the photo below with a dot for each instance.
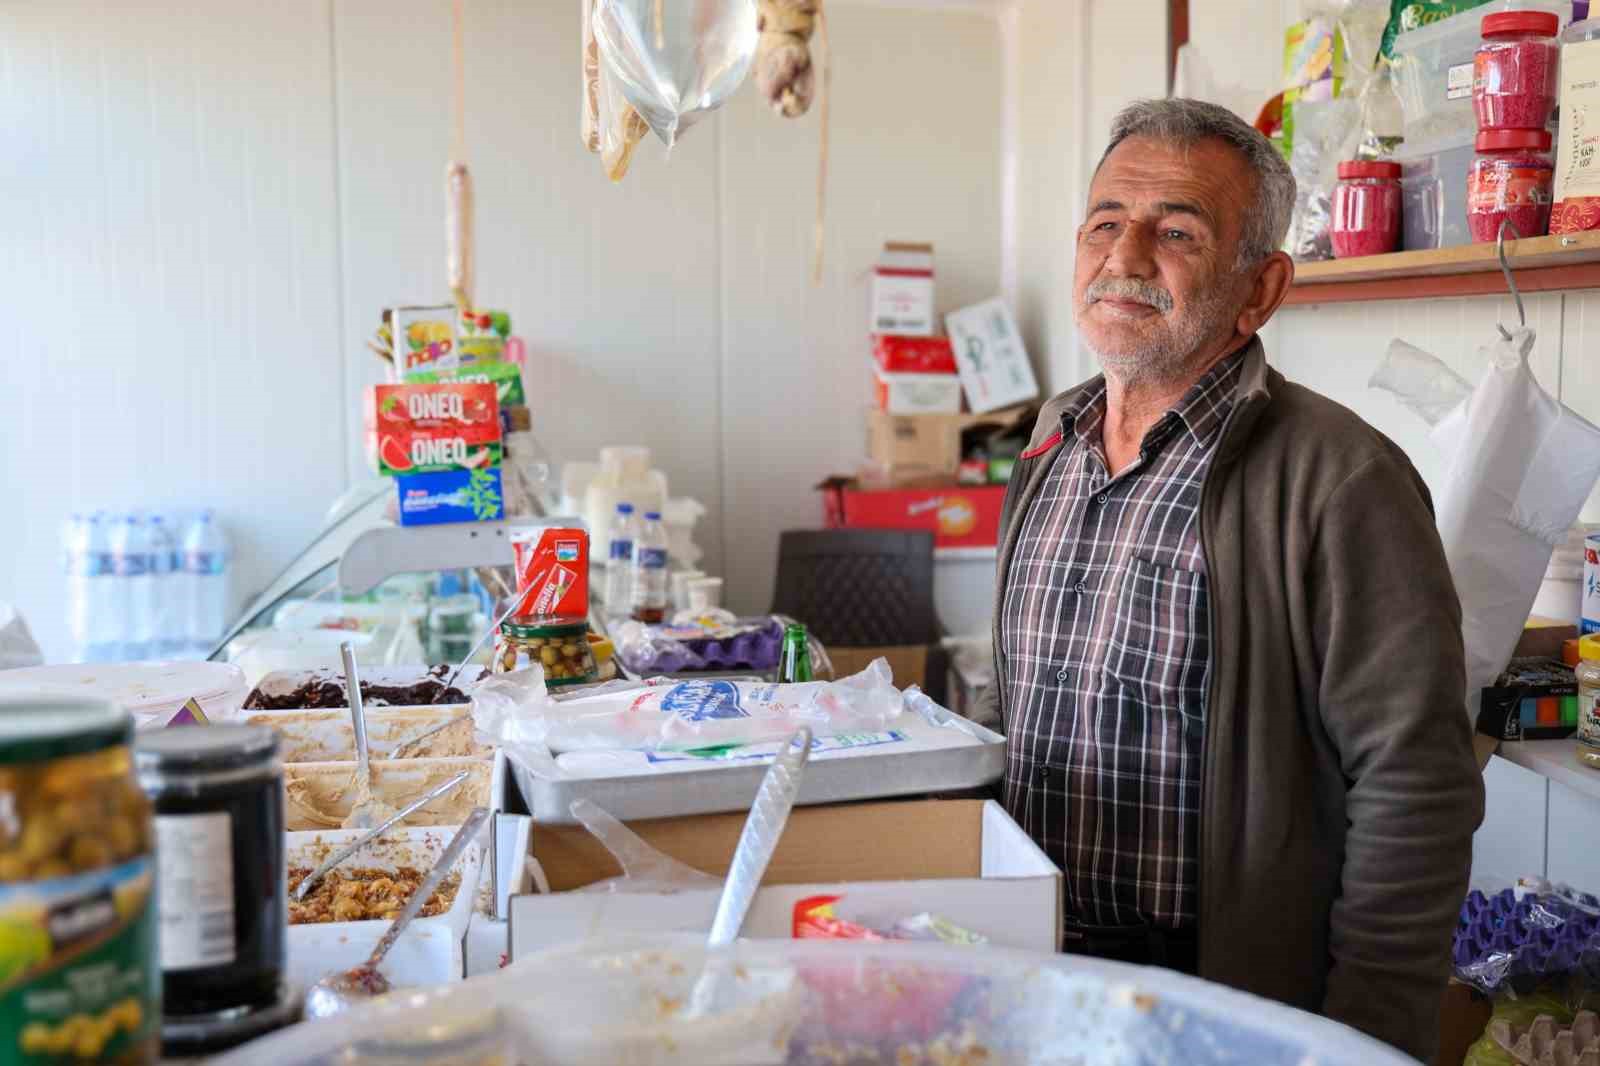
(1514, 83)
(1366, 209)
(1512, 177)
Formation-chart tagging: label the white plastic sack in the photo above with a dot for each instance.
(1521, 467)
(676, 61)
(515, 711)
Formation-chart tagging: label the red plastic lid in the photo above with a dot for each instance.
(1504, 140)
(1368, 168)
(1539, 23)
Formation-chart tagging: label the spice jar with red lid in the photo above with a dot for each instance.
(1514, 71)
(1366, 209)
(1511, 178)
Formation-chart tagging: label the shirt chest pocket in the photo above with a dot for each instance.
(1160, 637)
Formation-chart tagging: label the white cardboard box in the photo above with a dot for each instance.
(902, 291)
(992, 361)
(918, 394)
(962, 860)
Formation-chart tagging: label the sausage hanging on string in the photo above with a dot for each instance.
(783, 54)
(458, 232)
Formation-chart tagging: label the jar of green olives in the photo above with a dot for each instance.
(80, 974)
(562, 650)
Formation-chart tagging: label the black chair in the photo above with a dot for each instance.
(863, 588)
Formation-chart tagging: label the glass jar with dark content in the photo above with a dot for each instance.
(79, 976)
(219, 821)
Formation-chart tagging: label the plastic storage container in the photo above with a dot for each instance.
(1434, 69)
(1514, 72)
(1433, 193)
(562, 650)
(1512, 177)
(624, 476)
(1366, 209)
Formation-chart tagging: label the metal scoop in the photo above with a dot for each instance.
(367, 811)
(344, 989)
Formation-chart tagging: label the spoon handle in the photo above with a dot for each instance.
(358, 717)
(762, 829)
(494, 627)
(430, 883)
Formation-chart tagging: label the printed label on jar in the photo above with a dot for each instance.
(1589, 717)
(1578, 141)
(1497, 188)
(196, 858)
(80, 980)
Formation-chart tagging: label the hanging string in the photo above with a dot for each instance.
(458, 143)
(826, 98)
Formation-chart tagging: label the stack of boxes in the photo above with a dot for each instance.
(442, 429)
(930, 465)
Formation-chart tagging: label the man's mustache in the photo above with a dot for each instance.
(1129, 289)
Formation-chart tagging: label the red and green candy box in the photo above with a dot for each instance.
(432, 428)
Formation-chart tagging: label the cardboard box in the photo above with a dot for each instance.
(913, 355)
(990, 356)
(553, 562)
(453, 496)
(917, 394)
(907, 449)
(902, 290)
(428, 429)
(424, 339)
(909, 662)
(958, 516)
(505, 377)
(964, 860)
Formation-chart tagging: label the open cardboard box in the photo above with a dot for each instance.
(962, 860)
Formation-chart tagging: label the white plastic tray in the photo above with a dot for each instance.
(949, 756)
(429, 952)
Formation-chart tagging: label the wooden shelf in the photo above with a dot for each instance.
(1542, 264)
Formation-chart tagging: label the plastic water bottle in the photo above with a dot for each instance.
(205, 570)
(619, 561)
(101, 621)
(130, 563)
(650, 570)
(77, 565)
(167, 624)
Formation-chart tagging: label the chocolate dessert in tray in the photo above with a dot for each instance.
(325, 689)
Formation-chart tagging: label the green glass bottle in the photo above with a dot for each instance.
(794, 661)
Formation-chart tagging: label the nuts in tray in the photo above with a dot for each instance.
(365, 894)
(562, 650)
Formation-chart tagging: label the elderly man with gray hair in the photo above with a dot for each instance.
(1228, 649)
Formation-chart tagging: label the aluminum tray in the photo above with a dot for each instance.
(907, 769)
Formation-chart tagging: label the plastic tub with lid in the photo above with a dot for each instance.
(152, 692)
(1366, 209)
(1433, 192)
(625, 476)
(1511, 181)
(1434, 67)
(1514, 84)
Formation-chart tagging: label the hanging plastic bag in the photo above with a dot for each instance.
(1521, 467)
(1421, 381)
(621, 128)
(676, 62)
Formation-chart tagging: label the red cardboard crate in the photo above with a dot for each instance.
(958, 516)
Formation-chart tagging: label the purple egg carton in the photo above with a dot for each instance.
(1524, 940)
(757, 649)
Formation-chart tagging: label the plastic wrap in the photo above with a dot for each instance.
(807, 1002)
(711, 640)
(1325, 134)
(1535, 935)
(1422, 382)
(621, 127)
(677, 62)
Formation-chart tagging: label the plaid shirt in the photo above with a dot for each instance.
(1105, 634)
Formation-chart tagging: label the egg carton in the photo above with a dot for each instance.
(1525, 935)
(1545, 1043)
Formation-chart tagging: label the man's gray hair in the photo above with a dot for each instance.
(1186, 122)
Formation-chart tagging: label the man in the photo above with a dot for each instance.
(1229, 657)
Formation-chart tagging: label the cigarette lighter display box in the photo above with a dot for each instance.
(552, 564)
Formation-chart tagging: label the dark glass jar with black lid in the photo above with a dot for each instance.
(218, 797)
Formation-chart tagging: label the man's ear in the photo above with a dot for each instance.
(1272, 280)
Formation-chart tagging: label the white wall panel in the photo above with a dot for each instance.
(1511, 842)
(168, 252)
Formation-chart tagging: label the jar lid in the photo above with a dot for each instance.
(525, 630)
(204, 748)
(40, 725)
(1543, 23)
(1368, 168)
(1504, 140)
(1589, 647)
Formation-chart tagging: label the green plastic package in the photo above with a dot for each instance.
(1412, 14)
